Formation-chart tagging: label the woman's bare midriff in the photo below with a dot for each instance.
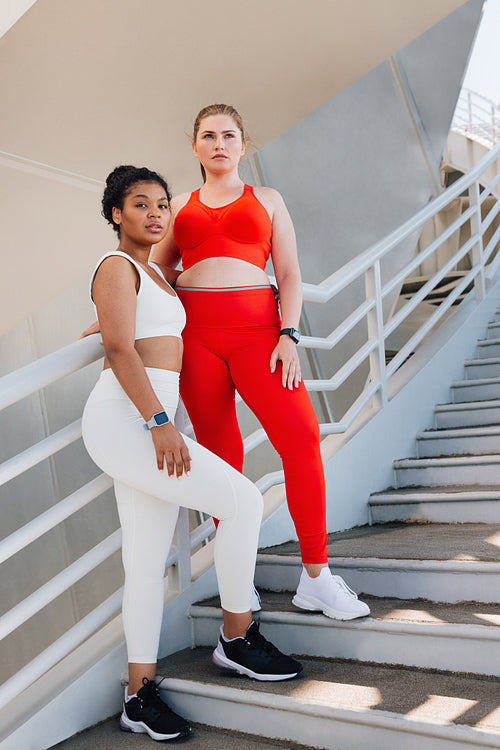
(223, 272)
(162, 352)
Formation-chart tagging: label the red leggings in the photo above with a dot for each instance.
(228, 340)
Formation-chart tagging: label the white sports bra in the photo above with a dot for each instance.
(158, 312)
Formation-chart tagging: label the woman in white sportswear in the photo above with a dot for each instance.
(128, 431)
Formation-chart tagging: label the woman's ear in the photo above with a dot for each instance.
(117, 215)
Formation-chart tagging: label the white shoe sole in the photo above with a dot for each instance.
(255, 602)
(316, 605)
(127, 725)
(223, 662)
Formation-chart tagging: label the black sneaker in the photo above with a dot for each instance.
(255, 657)
(147, 713)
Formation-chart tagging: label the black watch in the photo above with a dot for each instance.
(292, 332)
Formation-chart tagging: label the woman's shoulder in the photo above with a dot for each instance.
(270, 198)
(113, 266)
(268, 194)
(114, 258)
(116, 261)
(178, 202)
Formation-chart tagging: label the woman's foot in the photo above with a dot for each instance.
(255, 657)
(147, 713)
(329, 594)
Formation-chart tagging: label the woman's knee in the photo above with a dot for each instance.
(250, 502)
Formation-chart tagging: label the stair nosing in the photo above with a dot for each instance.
(475, 382)
(454, 566)
(459, 432)
(464, 405)
(387, 498)
(368, 717)
(435, 461)
(374, 624)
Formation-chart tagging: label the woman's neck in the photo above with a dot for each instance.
(223, 182)
(137, 252)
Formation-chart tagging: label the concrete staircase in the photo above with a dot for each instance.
(456, 474)
(422, 672)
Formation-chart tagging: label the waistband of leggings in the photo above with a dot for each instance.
(222, 288)
(164, 381)
(229, 307)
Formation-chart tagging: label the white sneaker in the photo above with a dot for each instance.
(331, 595)
(255, 601)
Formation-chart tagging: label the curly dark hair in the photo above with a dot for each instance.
(118, 184)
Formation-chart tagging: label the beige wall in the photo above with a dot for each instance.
(87, 85)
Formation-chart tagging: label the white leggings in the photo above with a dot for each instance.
(148, 504)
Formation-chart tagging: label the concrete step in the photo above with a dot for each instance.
(458, 638)
(482, 368)
(460, 441)
(467, 414)
(416, 472)
(108, 736)
(437, 580)
(487, 348)
(441, 562)
(493, 330)
(473, 504)
(480, 389)
(339, 705)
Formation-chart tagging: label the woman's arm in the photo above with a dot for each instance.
(287, 271)
(115, 296)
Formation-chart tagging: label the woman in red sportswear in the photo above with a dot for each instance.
(234, 338)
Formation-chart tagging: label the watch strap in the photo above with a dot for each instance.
(156, 420)
(293, 333)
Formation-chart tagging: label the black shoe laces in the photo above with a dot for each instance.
(257, 642)
(152, 698)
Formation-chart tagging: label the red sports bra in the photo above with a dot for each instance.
(241, 229)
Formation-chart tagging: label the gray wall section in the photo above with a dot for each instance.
(435, 65)
(363, 163)
(350, 172)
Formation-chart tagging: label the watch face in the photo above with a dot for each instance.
(295, 335)
(161, 418)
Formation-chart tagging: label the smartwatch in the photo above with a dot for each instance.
(292, 332)
(156, 420)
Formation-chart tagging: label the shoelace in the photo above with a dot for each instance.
(343, 585)
(156, 704)
(258, 642)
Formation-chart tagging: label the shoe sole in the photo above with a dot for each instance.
(222, 662)
(315, 605)
(138, 727)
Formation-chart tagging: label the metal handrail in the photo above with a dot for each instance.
(477, 117)
(370, 353)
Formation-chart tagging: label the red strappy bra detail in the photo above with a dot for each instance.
(241, 229)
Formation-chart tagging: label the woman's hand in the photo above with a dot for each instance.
(286, 351)
(94, 328)
(171, 450)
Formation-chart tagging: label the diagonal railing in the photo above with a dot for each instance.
(482, 246)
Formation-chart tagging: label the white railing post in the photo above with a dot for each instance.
(181, 573)
(375, 321)
(477, 248)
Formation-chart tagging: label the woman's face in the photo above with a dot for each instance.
(219, 145)
(145, 215)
